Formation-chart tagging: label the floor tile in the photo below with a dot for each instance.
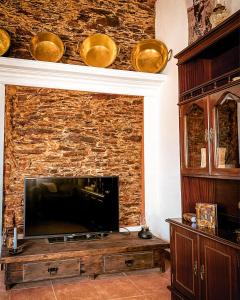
(110, 276)
(150, 283)
(75, 291)
(163, 294)
(117, 288)
(4, 295)
(40, 293)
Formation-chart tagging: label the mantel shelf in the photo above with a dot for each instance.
(75, 77)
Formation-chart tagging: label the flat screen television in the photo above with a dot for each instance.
(65, 206)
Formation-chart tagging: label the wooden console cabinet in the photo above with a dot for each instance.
(205, 263)
(115, 253)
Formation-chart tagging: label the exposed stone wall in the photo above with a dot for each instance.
(52, 132)
(127, 22)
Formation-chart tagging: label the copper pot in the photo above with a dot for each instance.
(4, 41)
(46, 46)
(98, 50)
(150, 56)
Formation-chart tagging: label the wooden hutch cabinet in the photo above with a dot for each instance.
(206, 262)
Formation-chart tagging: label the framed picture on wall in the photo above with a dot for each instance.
(199, 19)
(206, 215)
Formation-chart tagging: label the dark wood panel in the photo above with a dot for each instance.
(196, 190)
(127, 262)
(51, 269)
(225, 193)
(159, 259)
(40, 249)
(13, 277)
(91, 265)
(184, 261)
(219, 271)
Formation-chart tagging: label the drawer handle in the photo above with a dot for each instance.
(82, 269)
(53, 271)
(129, 262)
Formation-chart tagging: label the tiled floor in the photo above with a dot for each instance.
(138, 285)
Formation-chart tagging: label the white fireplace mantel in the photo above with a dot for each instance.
(74, 77)
(31, 73)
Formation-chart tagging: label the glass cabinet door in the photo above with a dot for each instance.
(225, 131)
(194, 137)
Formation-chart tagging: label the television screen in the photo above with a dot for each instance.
(56, 206)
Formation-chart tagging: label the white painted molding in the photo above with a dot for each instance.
(74, 77)
(31, 73)
(2, 118)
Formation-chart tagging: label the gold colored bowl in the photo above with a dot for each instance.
(4, 41)
(98, 50)
(46, 46)
(150, 56)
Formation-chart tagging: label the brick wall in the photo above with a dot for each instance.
(52, 132)
(127, 22)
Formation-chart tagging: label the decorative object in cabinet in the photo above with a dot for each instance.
(210, 134)
(206, 215)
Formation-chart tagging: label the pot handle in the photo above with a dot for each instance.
(170, 53)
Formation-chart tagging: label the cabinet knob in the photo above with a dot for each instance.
(53, 271)
(129, 262)
(211, 134)
(206, 135)
(202, 272)
(195, 268)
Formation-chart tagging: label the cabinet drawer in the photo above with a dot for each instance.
(51, 269)
(131, 261)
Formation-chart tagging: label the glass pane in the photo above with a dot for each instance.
(195, 138)
(227, 122)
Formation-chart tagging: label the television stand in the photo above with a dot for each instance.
(81, 237)
(117, 252)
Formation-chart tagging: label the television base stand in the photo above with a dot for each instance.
(117, 252)
(81, 237)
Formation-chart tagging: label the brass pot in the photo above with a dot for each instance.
(4, 41)
(150, 56)
(46, 46)
(98, 50)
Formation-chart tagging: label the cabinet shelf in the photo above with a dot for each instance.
(211, 56)
(226, 80)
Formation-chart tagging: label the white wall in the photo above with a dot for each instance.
(162, 174)
(234, 5)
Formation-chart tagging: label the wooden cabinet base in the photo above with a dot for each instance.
(114, 253)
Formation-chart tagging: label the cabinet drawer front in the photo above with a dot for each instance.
(131, 261)
(51, 269)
